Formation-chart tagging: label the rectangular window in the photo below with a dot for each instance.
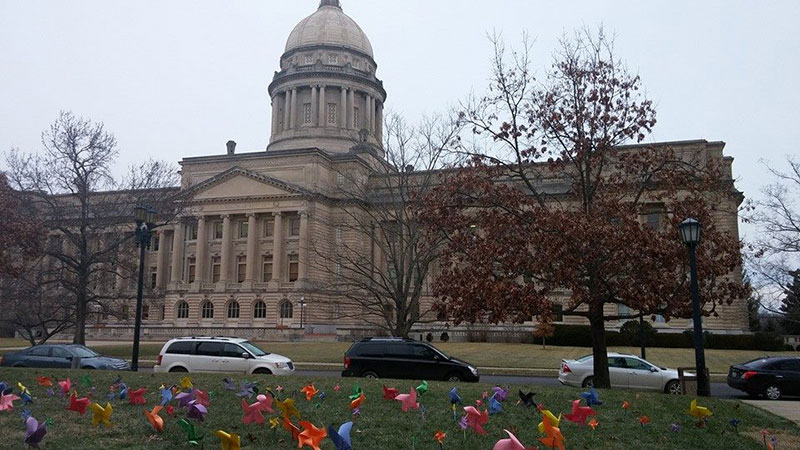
(243, 230)
(241, 268)
(294, 226)
(294, 267)
(338, 235)
(191, 232)
(558, 313)
(332, 113)
(333, 59)
(307, 113)
(155, 242)
(340, 179)
(269, 227)
(190, 269)
(266, 268)
(217, 230)
(153, 277)
(653, 220)
(145, 312)
(355, 117)
(216, 269)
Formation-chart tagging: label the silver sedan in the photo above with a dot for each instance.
(625, 371)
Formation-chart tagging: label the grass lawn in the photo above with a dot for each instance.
(381, 424)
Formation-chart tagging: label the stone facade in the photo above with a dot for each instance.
(238, 261)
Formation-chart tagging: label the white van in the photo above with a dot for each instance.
(220, 354)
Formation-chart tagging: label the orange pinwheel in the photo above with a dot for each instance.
(155, 420)
(310, 391)
(626, 405)
(310, 436)
(644, 420)
(439, 436)
(290, 427)
(44, 381)
(593, 423)
(358, 401)
(553, 437)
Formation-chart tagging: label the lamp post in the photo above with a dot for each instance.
(302, 311)
(642, 335)
(691, 230)
(145, 222)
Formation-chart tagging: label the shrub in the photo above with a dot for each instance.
(444, 337)
(630, 333)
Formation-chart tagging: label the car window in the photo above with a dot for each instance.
(209, 348)
(84, 352)
(618, 362)
(40, 351)
(399, 351)
(790, 365)
(637, 364)
(423, 352)
(232, 351)
(181, 348)
(59, 352)
(371, 349)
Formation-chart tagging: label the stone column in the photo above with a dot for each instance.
(252, 247)
(277, 248)
(273, 126)
(323, 110)
(227, 248)
(314, 114)
(177, 253)
(343, 108)
(351, 119)
(293, 114)
(379, 123)
(201, 256)
(286, 108)
(302, 269)
(161, 262)
(371, 114)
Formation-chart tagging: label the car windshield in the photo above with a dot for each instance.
(253, 348)
(441, 353)
(84, 352)
(758, 363)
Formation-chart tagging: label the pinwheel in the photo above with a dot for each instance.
(166, 396)
(25, 414)
(439, 437)
(252, 413)
(7, 401)
(422, 388)
(246, 389)
(310, 436)
(626, 405)
(500, 394)
(580, 413)
(265, 403)
(86, 381)
(196, 411)
(554, 421)
(191, 433)
(287, 408)
(409, 401)
(594, 423)
(341, 438)
(201, 397)
(309, 390)
(34, 432)
(184, 398)
(123, 391)
(476, 420)
(591, 397)
(155, 420)
(101, 415)
(291, 428)
(389, 393)
(44, 381)
(699, 412)
(78, 404)
(24, 394)
(527, 399)
(228, 384)
(337, 388)
(454, 397)
(735, 424)
(186, 383)
(675, 428)
(356, 392)
(358, 402)
(65, 386)
(136, 396)
(494, 406)
(553, 437)
(230, 441)
(644, 420)
(274, 422)
(512, 443)
(4, 389)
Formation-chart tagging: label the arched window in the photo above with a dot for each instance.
(260, 310)
(233, 310)
(207, 310)
(183, 310)
(286, 309)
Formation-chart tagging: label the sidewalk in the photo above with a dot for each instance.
(788, 409)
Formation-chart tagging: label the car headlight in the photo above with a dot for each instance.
(474, 370)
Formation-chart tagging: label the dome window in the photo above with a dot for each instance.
(333, 59)
(309, 60)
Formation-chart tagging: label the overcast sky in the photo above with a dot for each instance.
(181, 77)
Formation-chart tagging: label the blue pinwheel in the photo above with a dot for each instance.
(591, 397)
(494, 405)
(454, 397)
(341, 438)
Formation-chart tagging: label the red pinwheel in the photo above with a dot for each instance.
(136, 396)
(389, 393)
(580, 413)
(78, 404)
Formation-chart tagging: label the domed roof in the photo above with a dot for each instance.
(329, 25)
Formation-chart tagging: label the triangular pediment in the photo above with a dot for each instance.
(241, 183)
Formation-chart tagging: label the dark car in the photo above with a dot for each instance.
(61, 356)
(404, 358)
(771, 377)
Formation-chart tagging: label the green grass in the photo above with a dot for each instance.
(382, 425)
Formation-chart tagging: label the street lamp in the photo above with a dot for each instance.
(302, 310)
(691, 231)
(145, 219)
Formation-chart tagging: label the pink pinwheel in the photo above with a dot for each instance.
(476, 420)
(252, 413)
(65, 386)
(580, 413)
(512, 443)
(201, 397)
(500, 394)
(409, 400)
(265, 403)
(7, 401)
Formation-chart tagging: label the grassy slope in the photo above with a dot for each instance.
(382, 425)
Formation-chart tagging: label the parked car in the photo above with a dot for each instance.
(61, 356)
(380, 357)
(771, 377)
(625, 371)
(219, 354)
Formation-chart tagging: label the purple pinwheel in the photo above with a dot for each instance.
(454, 397)
(34, 432)
(246, 390)
(196, 411)
(500, 394)
(463, 423)
(184, 398)
(51, 392)
(675, 427)
(228, 384)
(25, 414)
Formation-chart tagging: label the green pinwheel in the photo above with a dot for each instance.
(356, 392)
(191, 433)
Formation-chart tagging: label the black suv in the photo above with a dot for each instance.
(380, 357)
(771, 377)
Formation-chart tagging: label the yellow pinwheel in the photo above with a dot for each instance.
(699, 412)
(554, 421)
(186, 383)
(230, 441)
(101, 415)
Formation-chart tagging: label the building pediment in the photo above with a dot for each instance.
(241, 183)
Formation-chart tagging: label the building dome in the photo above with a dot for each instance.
(329, 26)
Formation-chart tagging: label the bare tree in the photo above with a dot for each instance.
(87, 211)
(379, 260)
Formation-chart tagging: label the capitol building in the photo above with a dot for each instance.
(239, 260)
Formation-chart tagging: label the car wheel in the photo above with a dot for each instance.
(262, 371)
(772, 392)
(178, 369)
(369, 374)
(453, 377)
(588, 382)
(673, 388)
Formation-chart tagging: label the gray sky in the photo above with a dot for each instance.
(180, 77)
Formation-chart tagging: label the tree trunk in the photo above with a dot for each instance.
(599, 350)
(80, 321)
